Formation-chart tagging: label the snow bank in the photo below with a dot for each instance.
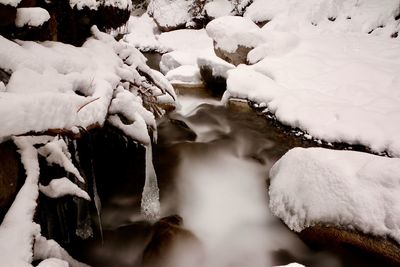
(72, 87)
(175, 59)
(335, 87)
(341, 188)
(31, 16)
(13, 3)
(231, 31)
(366, 16)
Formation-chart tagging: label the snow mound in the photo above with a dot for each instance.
(31, 16)
(366, 16)
(13, 3)
(229, 32)
(341, 188)
(185, 74)
(175, 59)
(335, 87)
(218, 8)
(143, 34)
(170, 13)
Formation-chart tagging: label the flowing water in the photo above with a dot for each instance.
(212, 164)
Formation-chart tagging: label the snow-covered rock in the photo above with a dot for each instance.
(346, 189)
(218, 8)
(31, 16)
(187, 74)
(335, 87)
(175, 59)
(234, 37)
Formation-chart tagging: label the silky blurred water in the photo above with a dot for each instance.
(212, 165)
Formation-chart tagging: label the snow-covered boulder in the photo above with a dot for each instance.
(186, 74)
(343, 189)
(234, 37)
(175, 14)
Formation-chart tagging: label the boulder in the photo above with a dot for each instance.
(234, 37)
(7, 16)
(333, 237)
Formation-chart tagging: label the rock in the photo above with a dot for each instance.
(7, 16)
(385, 249)
(214, 72)
(239, 56)
(172, 245)
(10, 178)
(234, 37)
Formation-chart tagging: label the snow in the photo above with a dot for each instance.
(18, 221)
(342, 188)
(218, 66)
(170, 13)
(292, 265)
(80, 4)
(31, 16)
(335, 87)
(143, 34)
(69, 87)
(230, 32)
(13, 3)
(218, 8)
(56, 152)
(121, 4)
(187, 74)
(187, 40)
(337, 15)
(175, 59)
(53, 262)
(62, 187)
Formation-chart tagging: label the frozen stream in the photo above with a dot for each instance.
(212, 164)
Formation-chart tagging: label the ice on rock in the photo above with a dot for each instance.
(150, 204)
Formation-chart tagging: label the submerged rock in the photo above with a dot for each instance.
(172, 245)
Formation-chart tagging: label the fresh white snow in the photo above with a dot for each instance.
(229, 32)
(31, 16)
(347, 189)
(218, 8)
(62, 187)
(187, 74)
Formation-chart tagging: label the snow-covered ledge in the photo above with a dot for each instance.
(345, 189)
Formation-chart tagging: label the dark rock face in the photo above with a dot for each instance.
(383, 250)
(11, 176)
(7, 15)
(237, 57)
(216, 83)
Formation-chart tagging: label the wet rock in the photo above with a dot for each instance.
(109, 17)
(11, 173)
(7, 16)
(239, 105)
(385, 250)
(172, 245)
(239, 56)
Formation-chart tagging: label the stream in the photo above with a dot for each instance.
(212, 164)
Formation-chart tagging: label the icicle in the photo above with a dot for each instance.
(150, 197)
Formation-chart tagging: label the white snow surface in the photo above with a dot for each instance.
(53, 74)
(187, 74)
(31, 16)
(294, 264)
(170, 13)
(80, 4)
(63, 187)
(218, 8)
(229, 32)
(342, 188)
(336, 87)
(143, 34)
(13, 3)
(218, 66)
(337, 15)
